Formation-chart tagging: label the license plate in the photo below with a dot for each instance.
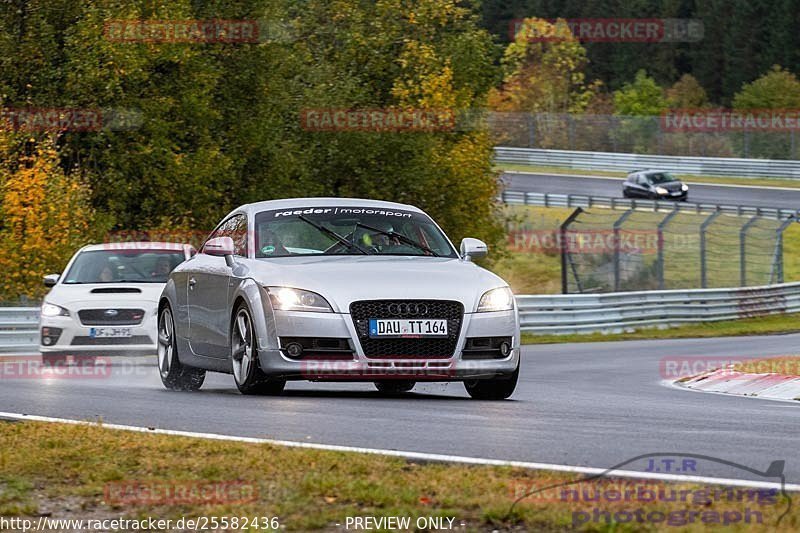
(429, 327)
(101, 333)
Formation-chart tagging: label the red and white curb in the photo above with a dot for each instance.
(728, 381)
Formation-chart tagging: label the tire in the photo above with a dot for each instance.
(499, 388)
(625, 193)
(249, 377)
(394, 386)
(174, 374)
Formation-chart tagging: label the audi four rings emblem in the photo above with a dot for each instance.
(408, 309)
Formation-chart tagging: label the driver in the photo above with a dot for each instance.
(377, 240)
(162, 268)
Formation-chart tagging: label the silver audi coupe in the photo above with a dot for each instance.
(337, 289)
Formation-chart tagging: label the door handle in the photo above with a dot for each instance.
(192, 283)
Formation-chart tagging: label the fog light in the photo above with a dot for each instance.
(505, 349)
(294, 349)
(46, 341)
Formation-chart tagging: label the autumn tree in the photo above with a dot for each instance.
(46, 215)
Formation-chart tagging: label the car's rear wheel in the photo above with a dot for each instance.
(498, 388)
(394, 386)
(174, 374)
(249, 378)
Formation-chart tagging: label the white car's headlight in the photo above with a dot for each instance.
(500, 299)
(53, 310)
(661, 190)
(288, 299)
(684, 187)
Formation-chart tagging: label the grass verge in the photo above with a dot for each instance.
(65, 471)
(729, 180)
(768, 325)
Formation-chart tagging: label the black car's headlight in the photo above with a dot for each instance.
(500, 299)
(289, 299)
(49, 309)
(661, 190)
(684, 187)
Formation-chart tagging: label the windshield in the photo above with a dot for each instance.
(121, 266)
(348, 231)
(662, 177)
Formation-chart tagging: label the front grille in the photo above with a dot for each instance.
(110, 341)
(105, 317)
(431, 348)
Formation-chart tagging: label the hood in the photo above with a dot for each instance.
(345, 279)
(672, 186)
(100, 295)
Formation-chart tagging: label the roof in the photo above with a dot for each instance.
(135, 245)
(293, 203)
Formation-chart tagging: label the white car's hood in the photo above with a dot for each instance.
(345, 279)
(101, 295)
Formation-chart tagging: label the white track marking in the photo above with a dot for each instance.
(586, 176)
(429, 457)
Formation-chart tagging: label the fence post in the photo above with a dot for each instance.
(777, 260)
(703, 226)
(660, 260)
(562, 235)
(743, 251)
(617, 223)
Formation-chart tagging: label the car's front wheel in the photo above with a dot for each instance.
(394, 386)
(174, 374)
(498, 388)
(248, 376)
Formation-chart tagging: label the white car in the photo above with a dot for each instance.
(337, 289)
(105, 302)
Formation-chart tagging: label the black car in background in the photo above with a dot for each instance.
(654, 185)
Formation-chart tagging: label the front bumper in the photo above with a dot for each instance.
(358, 367)
(75, 338)
(678, 195)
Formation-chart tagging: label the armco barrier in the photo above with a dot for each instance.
(698, 166)
(558, 314)
(623, 311)
(580, 200)
(19, 331)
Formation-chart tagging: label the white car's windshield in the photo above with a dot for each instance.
(121, 266)
(348, 231)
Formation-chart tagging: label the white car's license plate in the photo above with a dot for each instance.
(100, 333)
(429, 327)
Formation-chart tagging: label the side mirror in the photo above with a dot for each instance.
(472, 249)
(218, 246)
(51, 279)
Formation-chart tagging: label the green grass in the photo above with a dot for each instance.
(63, 471)
(768, 325)
(729, 180)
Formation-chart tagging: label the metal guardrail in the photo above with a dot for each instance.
(557, 314)
(19, 329)
(580, 200)
(699, 166)
(624, 311)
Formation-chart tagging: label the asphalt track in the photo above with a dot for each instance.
(595, 405)
(612, 187)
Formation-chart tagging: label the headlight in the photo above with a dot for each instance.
(53, 310)
(500, 299)
(684, 187)
(661, 190)
(288, 299)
